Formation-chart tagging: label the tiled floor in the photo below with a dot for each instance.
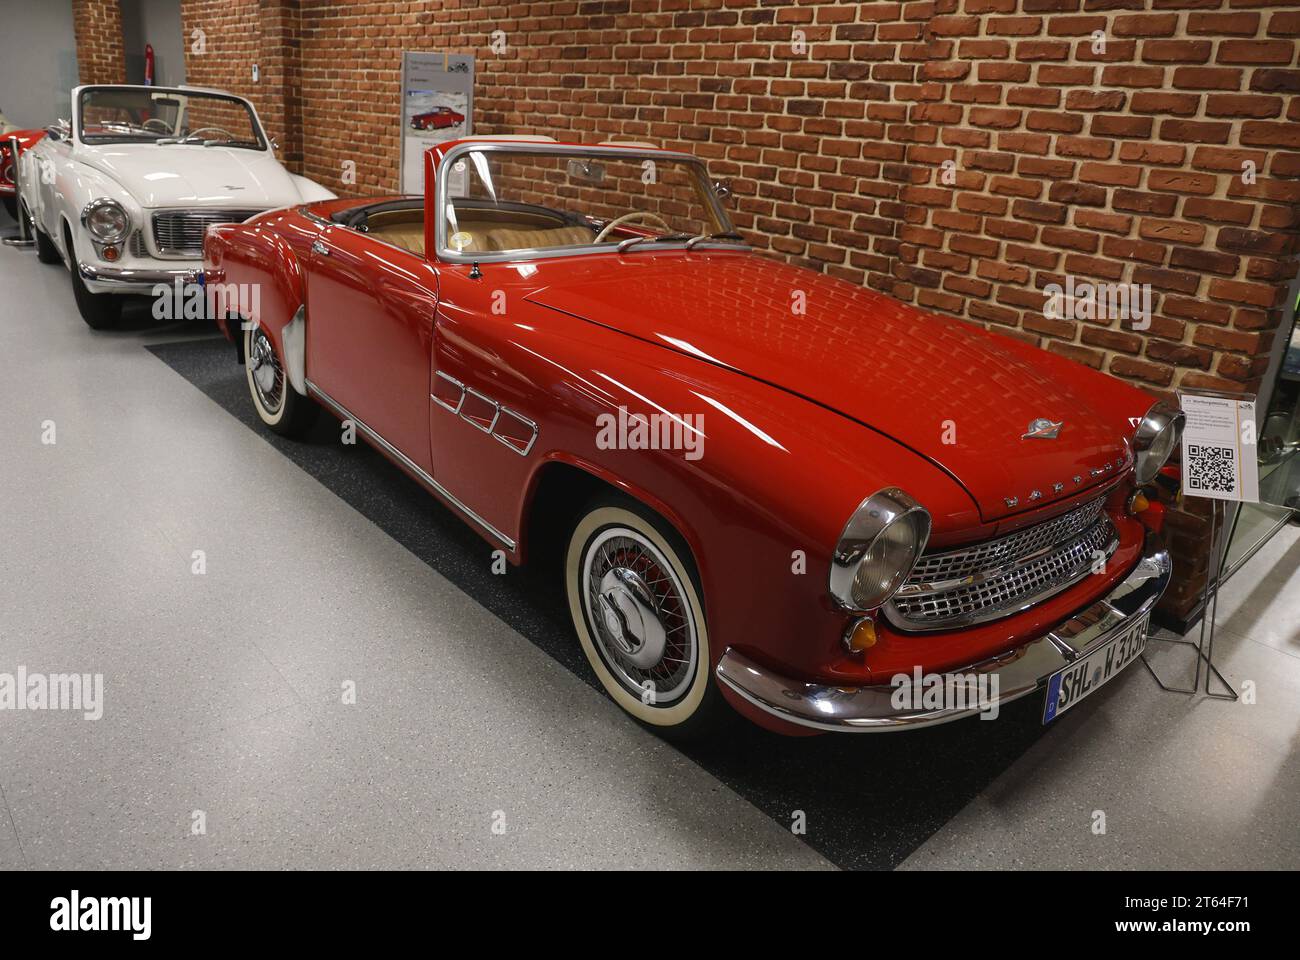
(224, 690)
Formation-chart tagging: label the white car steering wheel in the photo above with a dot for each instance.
(628, 217)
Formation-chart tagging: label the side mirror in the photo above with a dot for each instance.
(723, 189)
(586, 171)
(275, 145)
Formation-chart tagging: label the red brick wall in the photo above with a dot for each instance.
(101, 56)
(1121, 164)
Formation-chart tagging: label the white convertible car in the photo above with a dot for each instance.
(124, 192)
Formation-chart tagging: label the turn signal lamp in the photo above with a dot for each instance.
(861, 635)
(110, 254)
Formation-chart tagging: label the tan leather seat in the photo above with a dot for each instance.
(408, 236)
(507, 239)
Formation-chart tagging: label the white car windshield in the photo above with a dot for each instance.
(155, 115)
(506, 198)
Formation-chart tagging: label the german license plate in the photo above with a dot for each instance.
(1069, 685)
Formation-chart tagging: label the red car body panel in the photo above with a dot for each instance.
(439, 119)
(807, 413)
(9, 165)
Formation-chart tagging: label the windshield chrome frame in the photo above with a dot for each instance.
(446, 255)
(79, 94)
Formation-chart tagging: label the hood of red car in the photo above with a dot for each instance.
(959, 396)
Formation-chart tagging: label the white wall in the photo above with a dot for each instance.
(38, 60)
(155, 22)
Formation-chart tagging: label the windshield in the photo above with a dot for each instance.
(505, 199)
(147, 115)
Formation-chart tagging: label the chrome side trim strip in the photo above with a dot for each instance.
(1021, 671)
(411, 466)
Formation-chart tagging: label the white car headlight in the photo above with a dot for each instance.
(106, 221)
(878, 549)
(1155, 439)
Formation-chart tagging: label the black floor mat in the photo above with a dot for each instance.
(868, 801)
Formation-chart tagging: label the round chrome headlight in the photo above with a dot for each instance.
(106, 221)
(1155, 439)
(877, 550)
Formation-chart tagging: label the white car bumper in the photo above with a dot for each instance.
(106, 279)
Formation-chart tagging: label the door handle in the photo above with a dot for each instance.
(318, 247)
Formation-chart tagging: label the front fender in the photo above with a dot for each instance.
(762, 506)
(310, 191)
(240, 260)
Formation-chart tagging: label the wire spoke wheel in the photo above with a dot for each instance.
(636, 609)
(266, 374)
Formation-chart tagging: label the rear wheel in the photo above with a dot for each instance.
(277, 403)
(636, 606)
(100, 310)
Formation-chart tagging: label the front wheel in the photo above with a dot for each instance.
(637, 608)
(277, 403)
(100, 310)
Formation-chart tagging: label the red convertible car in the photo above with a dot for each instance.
(9, 165)
(765, 486)
(438, 118)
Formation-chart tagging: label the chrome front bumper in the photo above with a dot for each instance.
(131, 280)
(1020, 672)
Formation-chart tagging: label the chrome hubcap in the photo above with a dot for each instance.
(268, 378)
(638, 614)
(631, 618)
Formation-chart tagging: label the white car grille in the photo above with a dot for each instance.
(978, 583)
(180, 232)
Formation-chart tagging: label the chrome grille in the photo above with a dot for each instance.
(137, 244)
(180, 232)
(962, 562)
(975, 584)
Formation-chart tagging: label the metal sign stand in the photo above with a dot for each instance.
(1209, 610)
(24, 238)
(1246, 489)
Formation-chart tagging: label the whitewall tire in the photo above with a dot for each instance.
(278, 405)
(636, 606)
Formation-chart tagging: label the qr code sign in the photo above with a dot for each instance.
(1210, 468)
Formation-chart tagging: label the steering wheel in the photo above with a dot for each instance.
(629, 217)
(166, 128)
(195, 134)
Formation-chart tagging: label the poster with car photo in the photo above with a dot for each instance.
(437, 104)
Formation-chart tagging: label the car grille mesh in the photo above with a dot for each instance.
(982, 582)
(180, 232)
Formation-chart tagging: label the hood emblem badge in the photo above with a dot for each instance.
(1043, 429)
